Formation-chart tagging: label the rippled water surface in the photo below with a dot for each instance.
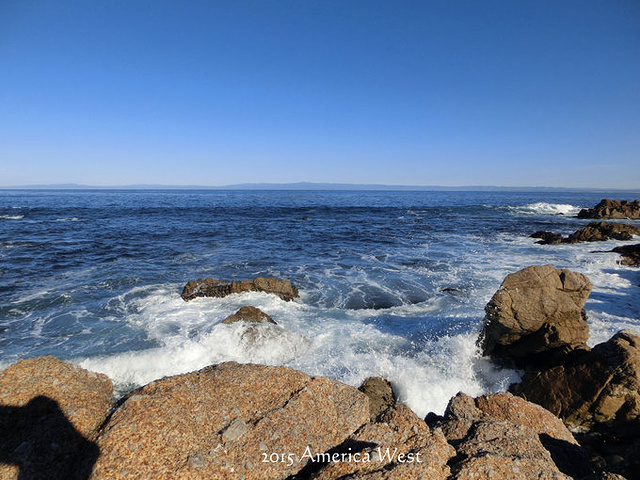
(392, 283)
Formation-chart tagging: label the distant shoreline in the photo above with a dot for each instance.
(309, 186)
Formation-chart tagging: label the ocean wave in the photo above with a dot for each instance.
(544, 208)
(68, 219)
(11, 217)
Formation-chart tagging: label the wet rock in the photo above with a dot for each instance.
(630, 254)
(211, 287)
(591, 388)
(380, 393)
(249, 315)
(536, 316)
(547, 238)
(399, 446)
(613, 209)
(602, 231)
(49, 413)
(228, 421)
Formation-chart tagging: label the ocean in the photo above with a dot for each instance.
(392, 283)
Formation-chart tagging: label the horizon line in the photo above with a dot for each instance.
(307, 186)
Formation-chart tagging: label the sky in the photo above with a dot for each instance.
(195, 92)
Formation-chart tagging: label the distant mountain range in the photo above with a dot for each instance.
(312, 186)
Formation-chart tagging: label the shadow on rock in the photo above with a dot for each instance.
(40, 441)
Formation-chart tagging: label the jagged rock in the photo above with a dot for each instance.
(630, 254)
(503, 449)
(380, 393)
(399, 446)
(602, 231)
(536, 316)
(228, 421)
(49, 412)
(211, 287)
(463, 410)
(601, 386)
(249, 315)
(613, 209)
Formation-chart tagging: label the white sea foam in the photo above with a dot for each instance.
(11, 217)
(543, 208)
(67, 219)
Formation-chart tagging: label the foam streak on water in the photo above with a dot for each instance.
(392, 283)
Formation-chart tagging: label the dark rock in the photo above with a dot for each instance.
(380, 393)
(536, 316)
(211, 287)
(249, 315)
(600, 387)
(613, 209)
(630, 254)
(602, 231)
(547, 238)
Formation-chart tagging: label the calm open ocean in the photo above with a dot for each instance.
(392, 283)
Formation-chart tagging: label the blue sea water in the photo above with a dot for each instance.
(392, 283)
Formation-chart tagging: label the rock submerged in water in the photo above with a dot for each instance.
(250, 315)
(211, 287)
(613, 209)
(594, 232)
(536, 315)
(630, 254)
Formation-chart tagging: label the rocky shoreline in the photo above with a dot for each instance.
(574, 414)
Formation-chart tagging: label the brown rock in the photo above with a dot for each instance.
(83, 396)
(399, 446)
(249, 315)
(49, 412)
(211, 287)
(380, 393)
(503, 449)
(536, 315)
(630, 254)
(601, 386)
(228, 421)
(601, 231)
(504, 434)
(464, 410)
(613, 209)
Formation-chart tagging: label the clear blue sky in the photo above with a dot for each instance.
(449, 92)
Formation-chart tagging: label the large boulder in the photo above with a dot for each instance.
(399, 446)
(463, 411)
(503, 436)
(211, 287)
(598, 387)
(228, 421)
(536, 316)
(614, 209)
(49, 413)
